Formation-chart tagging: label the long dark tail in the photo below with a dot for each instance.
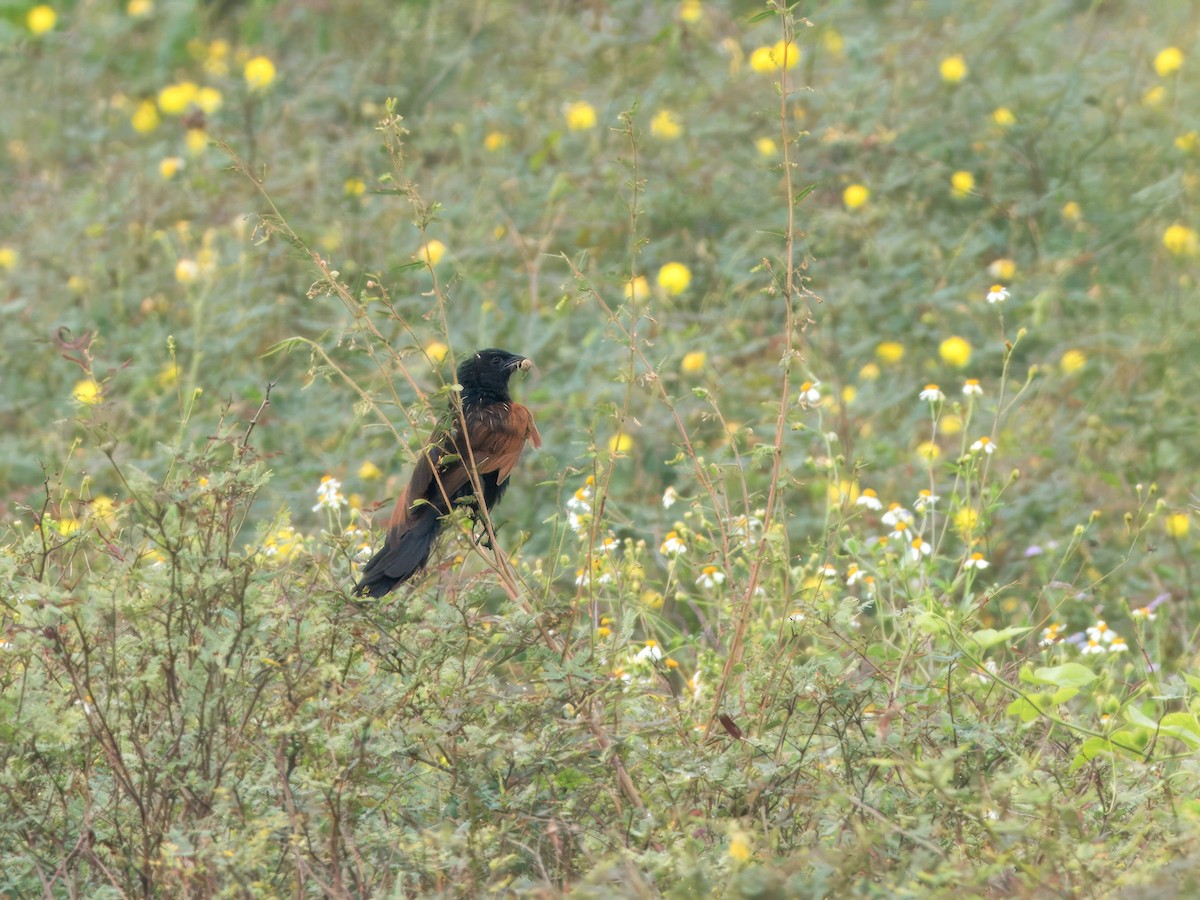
(404, 553)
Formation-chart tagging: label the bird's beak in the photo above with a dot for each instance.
(525, 365)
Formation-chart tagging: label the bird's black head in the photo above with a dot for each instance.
(484, 375)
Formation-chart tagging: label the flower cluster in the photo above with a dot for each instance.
(329, 495)
(908, 530)
(1099, 638)
(579, 508)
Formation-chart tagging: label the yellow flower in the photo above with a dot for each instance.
(284, 543)
(670, 663)
(581, 116)
(41, 19)
(664, 125)
(139, 8)
(176, 99)
(603, 631)
(209, 99)
(1004, 117)
(1168, 61)
(259, 73)
(954, 68)
(637, 289)
(870, 371)
(1177, 525)
(962, 183)
(495, 140)
(8, 258)
(1071, 211)
(620, 443)
(694, 361)
(169, 167)
(849, 393)
(690, 11)
(855, 195)
(196, 140)
(833, 42)
(1003, 269)
(766, 147)
(928, 451)
(842, 494)
(355, 187)
(890, 352)
(652, 599)
(77, 284)
(67, 525)
(763, 60)
(216, 58)
(88, 392)
(368, 471)
(187, 271)
(674, 278)
(950, 424)
(739, 849)
(1188, 142)
(436, 351)
(104, 508)
(145, 117)
(1155, 96)
(1181, 240)
(786, 54)
(1072, 361)
(432, 252)
(965, 521)
(169, 376)
(955, 351)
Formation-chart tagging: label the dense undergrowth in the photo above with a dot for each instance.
(858, 556)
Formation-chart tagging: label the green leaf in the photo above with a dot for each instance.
(1089, 750)
(569, 779)
(1066, 675)
(930, 623)
(1062, 695)
(1028, 708)
(285, 346)
(1136, 717)
(415, 264)
(990, 637)
(1183, 726)
(803, 192)
(1132, 743)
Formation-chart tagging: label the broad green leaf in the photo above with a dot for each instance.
(930, 624)
(1183, 726)
(1066, 675)
(1132, 743)
(990, 637)
(1062, 695)
(1089, 750)
(1029, 708)
(1136, 717)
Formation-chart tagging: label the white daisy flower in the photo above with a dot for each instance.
(869, 499)
(985, 444)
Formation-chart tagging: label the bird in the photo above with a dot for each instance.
(496, 432)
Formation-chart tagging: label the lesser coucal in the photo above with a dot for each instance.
(496, 432)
